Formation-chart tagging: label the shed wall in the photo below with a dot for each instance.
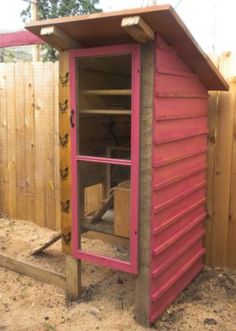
(178, 178)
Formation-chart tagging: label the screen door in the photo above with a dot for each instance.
(105, 93)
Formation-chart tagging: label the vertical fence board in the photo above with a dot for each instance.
(11, 139)
(29, 142)
(3, 141)
(232, 208)
(221, 186)
(20, 141)
(49, 147)
(213, 128)
(39, 144)
(56, 147)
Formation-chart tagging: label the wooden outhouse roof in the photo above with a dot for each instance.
(102, 29)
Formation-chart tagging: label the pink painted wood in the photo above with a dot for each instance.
(105, 160)
(132, 265)
(178, 180)
(19, 38)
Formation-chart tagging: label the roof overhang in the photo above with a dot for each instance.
(103, 29)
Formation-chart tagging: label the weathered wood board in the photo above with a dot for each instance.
(29, 142)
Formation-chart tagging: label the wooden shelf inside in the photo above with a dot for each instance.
(120, 92)
(106, 111)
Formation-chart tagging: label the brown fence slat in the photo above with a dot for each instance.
(20, 141)
(40, 123)
(56, 146)
(213, 128)
(232, 207)
(11, 139)
(3, 141)
(29, 141)
(221, 225)
(49, 147)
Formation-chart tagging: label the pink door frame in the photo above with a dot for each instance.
(134, 51)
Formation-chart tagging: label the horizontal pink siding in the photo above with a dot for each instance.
(178, 180)
(19, 38)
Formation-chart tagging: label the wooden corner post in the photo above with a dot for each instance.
(142, 291)
(73, 266)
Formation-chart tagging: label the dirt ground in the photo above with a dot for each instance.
(106, 303)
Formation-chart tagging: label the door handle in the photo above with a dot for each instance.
(72, 124)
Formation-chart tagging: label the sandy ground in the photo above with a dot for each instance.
(106, 303)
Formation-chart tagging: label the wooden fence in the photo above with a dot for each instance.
(221, 224)
(29, 153)
(29, 148)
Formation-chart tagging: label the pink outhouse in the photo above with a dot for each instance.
(133, 134)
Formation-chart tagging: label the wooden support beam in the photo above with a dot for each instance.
(35, 17)
(19, 38)
(142, 282)
(31, 270)
(57, 38)
(138, 29)
(65, 154)
(73, 278)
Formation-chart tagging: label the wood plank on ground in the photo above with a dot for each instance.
(31, 270)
